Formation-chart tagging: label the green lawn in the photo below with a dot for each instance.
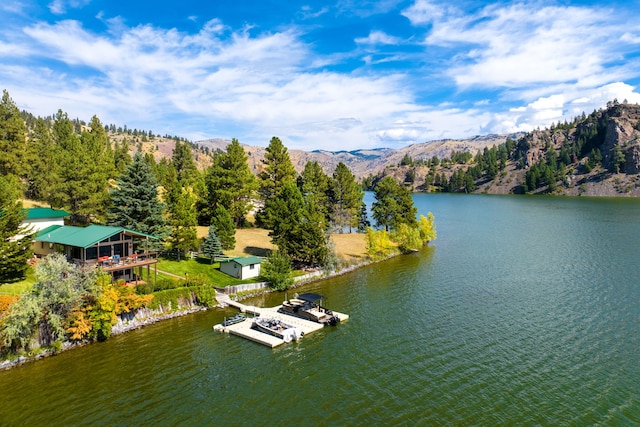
(201, 267)
(18, 288)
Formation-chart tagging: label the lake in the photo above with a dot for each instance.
(524, 311)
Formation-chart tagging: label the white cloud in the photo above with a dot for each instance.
(221, 82)
(60, 7)
(424, 12)
(378, 37)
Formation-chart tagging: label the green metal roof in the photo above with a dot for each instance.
(47, 230)
(83, 237)
(247, 260)
(42, 213)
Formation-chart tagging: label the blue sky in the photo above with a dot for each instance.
(335, 75)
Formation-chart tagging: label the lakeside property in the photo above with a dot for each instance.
(351, 248)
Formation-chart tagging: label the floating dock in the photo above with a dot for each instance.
(243, 329)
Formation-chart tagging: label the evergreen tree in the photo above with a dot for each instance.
(230, 183)
(98, 168)
(15, 239)
(182, 220)
(278, 170)
(393, 205)
(13, 143)
(277, 270)
(44, 177)
(183, 161)
(346, 198)
(135, 203)
(212, 247)
(363, 222)
(315, 185)
(285, 214)
(224, 227)
(85, 166)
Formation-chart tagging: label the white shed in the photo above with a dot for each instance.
(242, 267)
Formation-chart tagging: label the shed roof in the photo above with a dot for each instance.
(83, 237)
(42, 213)
(247, 260)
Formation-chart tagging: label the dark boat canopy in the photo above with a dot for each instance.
(312, 298)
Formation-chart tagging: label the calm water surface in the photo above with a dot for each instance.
(525, 311)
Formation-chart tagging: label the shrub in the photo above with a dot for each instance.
(170, 298)
(206, 295)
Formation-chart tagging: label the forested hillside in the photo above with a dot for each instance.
(596, 154)
(166, 186)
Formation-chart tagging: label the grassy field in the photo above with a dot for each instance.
(19, 287)
(249, 241)
(256, 241)
(200, 267)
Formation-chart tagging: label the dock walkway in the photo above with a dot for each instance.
(243, 329)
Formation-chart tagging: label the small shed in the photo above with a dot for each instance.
(241, 267)
(40, 218)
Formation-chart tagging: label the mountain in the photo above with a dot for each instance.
(365, 162)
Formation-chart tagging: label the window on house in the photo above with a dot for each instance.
(251, 266)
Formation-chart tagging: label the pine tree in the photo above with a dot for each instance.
(315, 186)
(277, 270)
(278, 170)
(285, 213)
(224, 228)
(393, 205)
(212, 247)
(135, 204)
(44, 175)
(13, 143)
(363, 221)
(183, 161)
(15, 239)
(346, 198)
(230, 183)
(182, 219)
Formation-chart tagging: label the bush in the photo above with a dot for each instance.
(206, 295)
(170, 298)
(277, 271)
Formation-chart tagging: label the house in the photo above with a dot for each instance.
(119, 251)
(40, 218)
(242, 267)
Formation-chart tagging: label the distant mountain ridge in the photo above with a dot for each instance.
(367, 161)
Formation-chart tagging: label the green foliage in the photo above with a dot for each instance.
(103, 309)
(44, 178)
(393, 205)
(284, 213)
(315, 186)
(206, 295)
(170, 299)
(212, 247)
(15, 239)
(85, 164)
(408, 238)
(42, 312)
(230, 183)
(182, 219)
(379, 243)
(278, 170)
(427, 228)
(345, 198)
(135, 203)
(224, 227)
(12, 138)
(617, 159)
(184, 163)
(277, 270)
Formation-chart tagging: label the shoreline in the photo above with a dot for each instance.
(132, 325)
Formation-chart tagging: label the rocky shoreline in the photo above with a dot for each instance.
(145, 316)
